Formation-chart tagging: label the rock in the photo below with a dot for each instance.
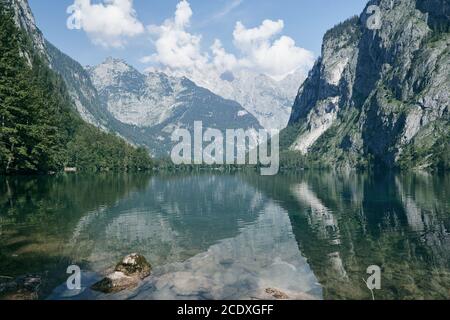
(23, 288)
(127, 275)
(134, 265)
(116, 282)
(7, 285)
(277, 294)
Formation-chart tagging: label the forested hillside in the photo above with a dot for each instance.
(40, 129)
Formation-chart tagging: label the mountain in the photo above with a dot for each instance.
(158, 104)
(142, 109)
(41, 130)
(379, 95)
(268, 100)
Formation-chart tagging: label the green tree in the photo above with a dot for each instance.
(40, 128)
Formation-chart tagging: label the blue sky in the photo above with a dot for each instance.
(305, 22)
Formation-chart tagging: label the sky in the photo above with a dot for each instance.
(268, 36)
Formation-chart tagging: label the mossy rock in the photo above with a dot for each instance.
(116, 282)
(127, 275)
(134, 265)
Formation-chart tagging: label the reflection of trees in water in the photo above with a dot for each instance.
(38, 216)
(342, 223)
(207, 236)
(172, 219)
(346, 222)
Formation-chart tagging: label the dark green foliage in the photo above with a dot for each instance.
(94, 150)
(289, 135)
(438, 14)
(420, 154)
(40, 130)
(348, 26)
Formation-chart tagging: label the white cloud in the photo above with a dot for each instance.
(246, 38)
(108, 23)
(275, 57)
(262, 49)
(222, 60)
(175, 47)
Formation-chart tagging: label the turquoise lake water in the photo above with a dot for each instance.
(311, 235)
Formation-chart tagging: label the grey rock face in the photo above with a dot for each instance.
(378, 93)
(158, 104)
(24, 19)
(268, 100)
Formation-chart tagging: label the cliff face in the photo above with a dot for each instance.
(382, 93)
(25, 20)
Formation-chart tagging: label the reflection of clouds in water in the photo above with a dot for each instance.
(264, 255)
(172, 220)
(189, 218)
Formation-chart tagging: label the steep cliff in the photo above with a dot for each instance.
(379, 95)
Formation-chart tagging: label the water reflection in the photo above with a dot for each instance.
(210, 237)
(346, 222)
(311, 235)
(263, 255)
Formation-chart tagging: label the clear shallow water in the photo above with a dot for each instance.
(311, 235)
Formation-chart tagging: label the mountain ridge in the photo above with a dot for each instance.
(157, 104)
(379, 96)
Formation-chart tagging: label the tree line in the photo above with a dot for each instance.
(40, 130)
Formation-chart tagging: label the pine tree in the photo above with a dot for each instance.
(40, 130)
(14, 96)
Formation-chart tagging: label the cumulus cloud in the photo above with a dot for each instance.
(262, 49)
(108, 23)
(245, 38)
(275, 57)
(175, 47)
(222, 60)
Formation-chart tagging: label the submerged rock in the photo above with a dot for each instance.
(127, 275)
(116, 282)
(22, 288)
(134, 265)
(277, 294)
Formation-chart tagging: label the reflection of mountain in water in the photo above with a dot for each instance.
(263, 255)
(172, 220)
(346, 222)
(212, 237)
(231, 236)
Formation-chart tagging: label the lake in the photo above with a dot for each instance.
(311, 235)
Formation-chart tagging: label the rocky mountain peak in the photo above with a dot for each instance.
(112, 72)
(379, 93)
